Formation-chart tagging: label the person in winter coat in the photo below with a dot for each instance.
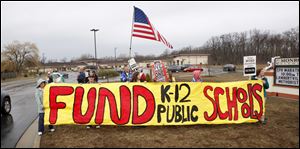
(81, 76)
(125, 75)
(260, 75)
(197, 76)
(39, 99)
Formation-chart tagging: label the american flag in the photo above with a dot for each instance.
(142, 28)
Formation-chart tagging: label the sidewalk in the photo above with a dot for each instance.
(30, 138)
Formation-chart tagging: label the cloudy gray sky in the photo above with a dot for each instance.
(62, 29)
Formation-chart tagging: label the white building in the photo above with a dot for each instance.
(182, 59)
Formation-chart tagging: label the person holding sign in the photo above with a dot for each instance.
(260, 75)
(124, 76)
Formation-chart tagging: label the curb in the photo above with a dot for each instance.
(30, 138)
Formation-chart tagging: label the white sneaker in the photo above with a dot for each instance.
(40, 133)
(88, 127)
(97, 126)
(52, 130)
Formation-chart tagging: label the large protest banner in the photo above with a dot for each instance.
(153, 104)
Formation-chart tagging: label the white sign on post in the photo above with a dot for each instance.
(132, 64)
(249, 65)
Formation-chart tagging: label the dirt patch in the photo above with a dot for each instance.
(282, 130)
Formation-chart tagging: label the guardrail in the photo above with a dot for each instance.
(7, 75)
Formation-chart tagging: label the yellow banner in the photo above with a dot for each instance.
(161, 103)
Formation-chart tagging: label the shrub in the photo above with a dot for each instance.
(108, 73)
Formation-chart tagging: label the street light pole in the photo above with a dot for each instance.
(95, 30)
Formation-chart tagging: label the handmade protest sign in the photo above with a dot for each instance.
(153, 104)
(159, 71)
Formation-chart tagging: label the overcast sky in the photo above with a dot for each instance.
(62, 29)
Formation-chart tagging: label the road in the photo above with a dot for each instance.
(23, 112)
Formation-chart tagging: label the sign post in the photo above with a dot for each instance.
(249, 65)
(132, 64)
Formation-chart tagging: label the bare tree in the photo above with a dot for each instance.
(230, 48)
(21, 53)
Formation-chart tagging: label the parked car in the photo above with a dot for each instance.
(185, 66)
(229, 67)
(193, 68)
(174, 68)
(5, 102)
(58, 77)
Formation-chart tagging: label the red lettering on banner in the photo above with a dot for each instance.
(54, 106)
(217, 92)
(77, 111)
(238, 94)
(242, 92)
(125, 97)
(257, 87)
(150, 105)
(239, 100)
(232, 104)
(214, 114)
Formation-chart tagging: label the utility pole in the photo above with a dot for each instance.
(115, 58)
(95, 30)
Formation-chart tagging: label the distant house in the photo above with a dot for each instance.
(62, 66)
(181, 59)
(89, 61)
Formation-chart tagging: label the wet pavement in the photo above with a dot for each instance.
(23, 112)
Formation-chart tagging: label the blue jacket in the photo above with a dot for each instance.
(124, 77)
(194, 80)
(81, 77)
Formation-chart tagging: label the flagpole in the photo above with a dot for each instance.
(131, 34)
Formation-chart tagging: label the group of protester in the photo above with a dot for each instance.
(87, 76)
(136, 76)
(127, 75)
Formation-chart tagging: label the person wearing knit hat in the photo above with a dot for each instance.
(39, 99)
(197, 76)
